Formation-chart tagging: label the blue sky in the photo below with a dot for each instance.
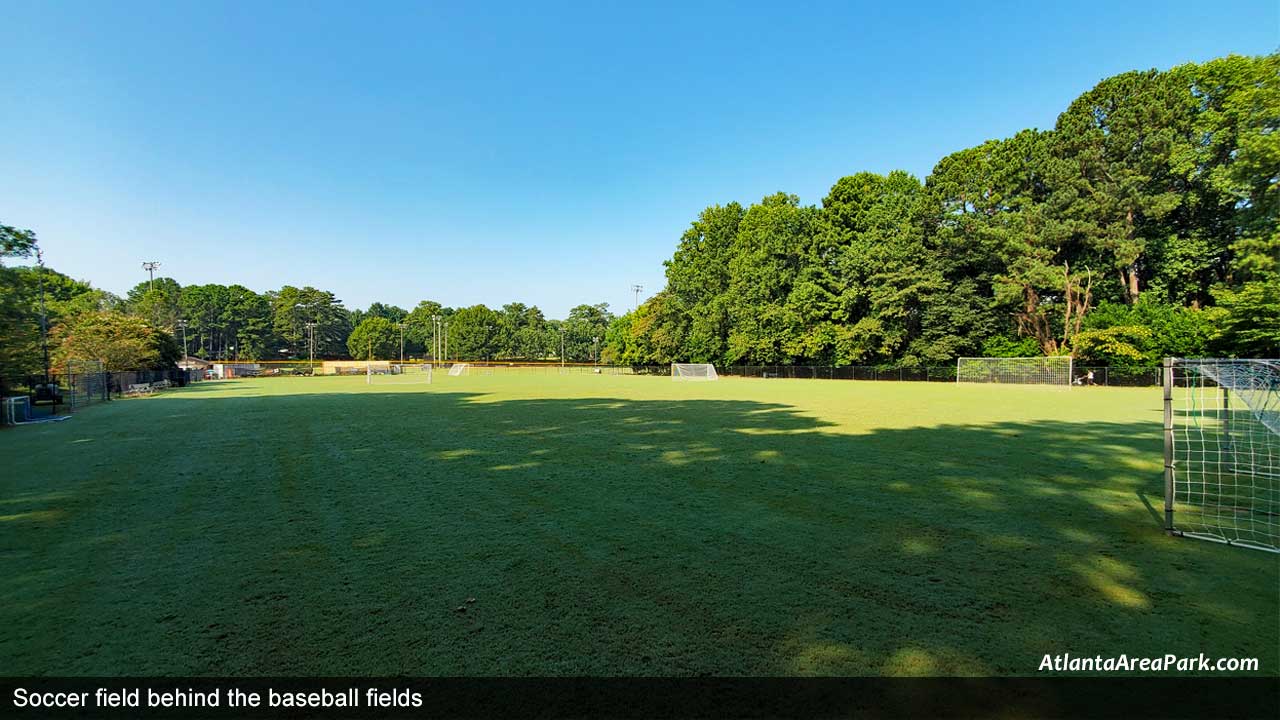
(548, 153)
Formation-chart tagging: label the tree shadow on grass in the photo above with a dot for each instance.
(458, 533)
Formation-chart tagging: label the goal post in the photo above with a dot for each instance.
(693, 371)
(404, 374)
(1047, 370)
(458, 369)
(1222, 450)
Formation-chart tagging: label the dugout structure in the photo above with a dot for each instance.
(1048, 370)
(1222, 450)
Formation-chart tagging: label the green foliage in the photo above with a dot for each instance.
(473, 333)
(117, 340)
(584, 332)
(1152, 199)
(16, 243)
(160, 302)
(292, 308)
(1154, 191)
(375, 338)
(1010, 346)
(420, 328)
(1116, 346)
(1251, 323)
(1173, 331)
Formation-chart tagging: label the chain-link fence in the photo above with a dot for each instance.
(1086, 375)
(83, 383)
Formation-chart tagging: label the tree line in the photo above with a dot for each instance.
(1142, 225)
(157, 321)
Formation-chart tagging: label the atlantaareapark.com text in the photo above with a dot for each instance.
(1066, 662)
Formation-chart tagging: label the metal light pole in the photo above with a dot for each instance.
(401, 326)
(311, 345)
(637, 288)
(435, 338)
(595, 341)
(150, 266)
(44, 315)
(561, 347)
(446, 341)
(182, 323)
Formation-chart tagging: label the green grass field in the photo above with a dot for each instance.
(607, 525)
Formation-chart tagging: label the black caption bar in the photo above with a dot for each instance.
(1119, 698)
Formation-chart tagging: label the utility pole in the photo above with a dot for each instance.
(150, 266)
(637, 289)
(435, 338)
(44, 315)
(311, 345)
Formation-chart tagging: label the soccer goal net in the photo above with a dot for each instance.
(458, 369)
(693, 371)
(404, 374)
(1222, 450)
(1052, 370)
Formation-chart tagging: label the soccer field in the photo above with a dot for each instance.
(616, 525)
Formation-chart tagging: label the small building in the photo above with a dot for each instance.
(191, 362)
(354, 367)
(223, 371)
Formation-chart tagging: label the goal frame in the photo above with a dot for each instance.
(1005, 377)
(678, 376)
(423, 371)
(1222, 423)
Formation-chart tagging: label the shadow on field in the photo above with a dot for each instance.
(452, 533)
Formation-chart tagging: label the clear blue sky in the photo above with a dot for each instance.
(542, 152)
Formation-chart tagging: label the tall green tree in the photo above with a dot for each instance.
(698, 280)
(864, 293)
(773, 242)
(420, 326)
(473, 333)
(1121, 181)
(159, 302)
(375, 338)
(292, 308)
(120, 342)
(584, 331)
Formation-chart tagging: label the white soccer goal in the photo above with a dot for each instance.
(1222, 450)
(693, 371)
(459, 369)
(404, 374)
(1050, 370)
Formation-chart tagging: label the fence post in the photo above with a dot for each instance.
(1168, 444)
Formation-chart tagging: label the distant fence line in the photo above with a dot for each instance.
(80, 385)
(1140, 377)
